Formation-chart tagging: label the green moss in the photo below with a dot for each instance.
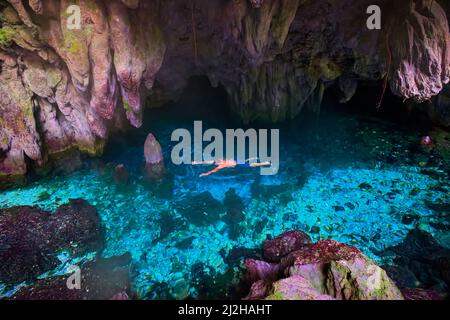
(6, 36)
(95, 149)
(276, 296)
(126, 106)
(73, 44)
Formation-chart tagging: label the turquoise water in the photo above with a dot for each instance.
(349, 178)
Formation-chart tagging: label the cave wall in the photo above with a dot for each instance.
(63, 89)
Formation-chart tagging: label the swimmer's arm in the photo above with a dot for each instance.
(194, 163)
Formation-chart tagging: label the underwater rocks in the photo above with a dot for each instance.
(121, 175)
(101, 279)
(421, 294)
(280, 246)
(154, 161)
(30, 238)
(423, 259)
(65, 88)
(235, 213)
(325, 270)
(201, 209)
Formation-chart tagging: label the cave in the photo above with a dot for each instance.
(245, 149)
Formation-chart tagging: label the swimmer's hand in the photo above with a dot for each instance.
(194, 163)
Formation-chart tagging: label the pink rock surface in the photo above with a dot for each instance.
(323, 270)
(277, 248)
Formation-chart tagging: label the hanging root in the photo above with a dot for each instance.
(386, 79)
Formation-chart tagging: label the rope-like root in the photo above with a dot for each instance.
(194, 31)
(386, 79)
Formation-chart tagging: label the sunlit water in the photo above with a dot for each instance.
(341, 177)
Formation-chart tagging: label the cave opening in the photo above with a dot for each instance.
(199, 100)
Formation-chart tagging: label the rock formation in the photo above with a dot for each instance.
(65, 88)
(101, 279)
(326, 270)
(31, 238)
(154, 161)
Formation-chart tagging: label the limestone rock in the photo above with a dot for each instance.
(325, 270)
(154, 161)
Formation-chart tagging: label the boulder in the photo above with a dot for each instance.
(121, 174)
(325, 270)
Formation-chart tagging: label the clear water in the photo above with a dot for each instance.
(343, 177)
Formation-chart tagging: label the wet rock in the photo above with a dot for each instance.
(169, 223)
(424, 257)
(185, 243)
(323, 270)
(154, 161)
(282, 245)
(365, 186)
(121, 174)
(234, 214)
(259, 290)
(421, 294)
(201, 209)
(261, 270)
(315, 229)
(30, 238)
(237, 254)
(211, 284)
(403, 277)
(410, 218)
(101, 279)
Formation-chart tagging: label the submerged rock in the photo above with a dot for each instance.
(235, 213)
(421, 294)
(280, 246)
(121, 174)
(201, 209)
(30, 238)
(154, 161)
(425, 258)
(101, 279)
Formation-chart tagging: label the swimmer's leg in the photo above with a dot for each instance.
(212, 171)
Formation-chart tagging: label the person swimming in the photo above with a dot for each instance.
(222, 164)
